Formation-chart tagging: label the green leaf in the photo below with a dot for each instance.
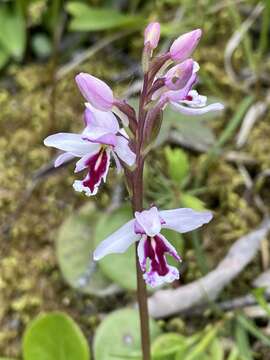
(253, 329)
(203, 344)
(166, 345)
(54, 336)
(13, 31)
(234, 354)
(177, 164)
(118, 336)
(120, 268)
(87, 18)
(74, 248)
(192, 202)
(243, 342)
(216, 350)
(259, 295)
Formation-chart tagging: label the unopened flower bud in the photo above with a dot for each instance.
(95, 91)
(152, 34)
(184, 45)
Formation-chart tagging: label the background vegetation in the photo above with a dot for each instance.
(220, 163)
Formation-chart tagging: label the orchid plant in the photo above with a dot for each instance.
(113, 129)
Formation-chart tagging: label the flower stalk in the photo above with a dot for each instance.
(115, 132)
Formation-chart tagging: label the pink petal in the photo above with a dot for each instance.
(95, 91)
(184, 45)
(178, 76)
(123, 151)
(149, 221)
(184, 219)
(178, 95)
(117, 242)
(152, 34)
(100, 119)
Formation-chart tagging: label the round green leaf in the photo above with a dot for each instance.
(54, 336)
(177, 163)
(74, 247)
(166, 346)
(120, 268)
(118, 336)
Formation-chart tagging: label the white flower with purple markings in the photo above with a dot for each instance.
(101, 139)
(145, 229)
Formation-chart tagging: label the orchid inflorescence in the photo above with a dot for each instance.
(114, 129)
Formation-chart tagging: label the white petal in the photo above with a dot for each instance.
(78, 186)
(153, 279)
(197, 99)
(185, 219)
(118, 242)
(72, 143)
(149, 220)
(124, 152)
(63, 158)
(196, 111)
(196, 67)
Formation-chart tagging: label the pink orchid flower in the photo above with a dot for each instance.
(146, 228)
(100, 139)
